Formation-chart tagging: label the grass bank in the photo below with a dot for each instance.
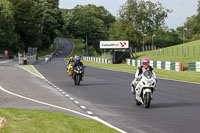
(31, 121)
(175, 53)
(183, 76)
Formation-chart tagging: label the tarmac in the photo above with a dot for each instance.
(23, 83)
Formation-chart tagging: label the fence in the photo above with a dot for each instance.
(176, 66)
(27, 58)
(180, 51)
(194, 66)
(95, 59)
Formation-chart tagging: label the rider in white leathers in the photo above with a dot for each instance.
(145, 66)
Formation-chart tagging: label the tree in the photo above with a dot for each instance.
(140, 17)
(26, 23)
(8, 37)
(50, 20)
(90, 20)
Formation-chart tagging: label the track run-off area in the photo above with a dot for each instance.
(175, 106)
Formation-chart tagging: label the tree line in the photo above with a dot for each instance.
(137, 21)
(191, 27)
(28, 23)
(35, 23)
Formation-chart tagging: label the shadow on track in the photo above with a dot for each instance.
(94, 84)
(174, 105)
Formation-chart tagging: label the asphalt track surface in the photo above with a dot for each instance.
(23, 83)
(175, 107)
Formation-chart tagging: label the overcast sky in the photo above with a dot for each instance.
(181, 8)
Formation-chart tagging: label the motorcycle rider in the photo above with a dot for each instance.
(78, 63)
(141, 69)
(71, 60)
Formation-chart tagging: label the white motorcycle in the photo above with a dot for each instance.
(144, 89)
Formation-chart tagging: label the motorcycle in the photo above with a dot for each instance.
(144, 89)
(78, 74)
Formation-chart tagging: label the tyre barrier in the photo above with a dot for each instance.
(194, 66)
(95, 59)
(167, 65)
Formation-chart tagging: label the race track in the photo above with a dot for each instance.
(174, 109)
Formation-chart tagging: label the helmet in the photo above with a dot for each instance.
(71, 58)
(78, 59)
(145, 62)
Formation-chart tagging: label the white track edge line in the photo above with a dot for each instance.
(38, 72)
(6, 61)
(62, 108)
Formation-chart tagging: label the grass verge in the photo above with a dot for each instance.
(31, 121)
(183, 76)
(30, 69)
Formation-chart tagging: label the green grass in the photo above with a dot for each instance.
(183, 76)
(30, 68)
(169, 57)
(79, 45)
(42, 53)
(30, 121)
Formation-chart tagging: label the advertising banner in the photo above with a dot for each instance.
(114, 44)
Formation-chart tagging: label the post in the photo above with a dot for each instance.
(167, 51)
(199, 50)
(184, 29)
(152, 43)
(177, 50)
(143, 41)
(194, 50)
(163, 51)
(86, 45)
(182, 52)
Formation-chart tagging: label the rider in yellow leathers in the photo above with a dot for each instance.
(70, 65)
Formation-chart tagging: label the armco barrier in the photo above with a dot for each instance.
(176, 66)
(95, 59)
(194, 66)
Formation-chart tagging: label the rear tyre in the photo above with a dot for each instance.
(147, 100)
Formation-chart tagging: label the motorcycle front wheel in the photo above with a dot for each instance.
(78, 80)
(147, 100)
(74, 79)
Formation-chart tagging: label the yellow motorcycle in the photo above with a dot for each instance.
(70, 69)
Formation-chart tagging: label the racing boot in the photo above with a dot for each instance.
(133, 89)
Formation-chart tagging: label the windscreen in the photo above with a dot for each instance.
(148, 74)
